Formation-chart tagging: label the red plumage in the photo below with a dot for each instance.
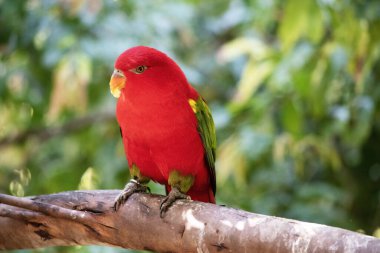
(159, 127)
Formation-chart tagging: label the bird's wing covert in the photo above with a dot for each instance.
(206, 129)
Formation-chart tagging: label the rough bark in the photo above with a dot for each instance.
(87, 217)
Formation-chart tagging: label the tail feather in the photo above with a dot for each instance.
(202, 196)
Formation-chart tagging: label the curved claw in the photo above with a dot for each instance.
(173, 195)
(130, 188)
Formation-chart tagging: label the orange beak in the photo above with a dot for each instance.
(117, 83)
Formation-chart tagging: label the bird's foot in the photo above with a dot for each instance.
(173, 195)
(131, 187)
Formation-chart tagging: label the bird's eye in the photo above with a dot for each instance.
(139, 69)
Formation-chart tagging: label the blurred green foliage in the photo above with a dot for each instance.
(294, 87)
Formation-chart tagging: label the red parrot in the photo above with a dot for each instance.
(167, 128)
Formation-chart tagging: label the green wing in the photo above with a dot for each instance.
(206, 129)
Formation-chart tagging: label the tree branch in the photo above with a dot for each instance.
(87, 217)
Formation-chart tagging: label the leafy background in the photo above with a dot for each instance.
(294, 87)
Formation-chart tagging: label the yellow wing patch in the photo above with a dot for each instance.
(193, 105)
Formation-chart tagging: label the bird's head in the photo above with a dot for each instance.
(144, 68)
